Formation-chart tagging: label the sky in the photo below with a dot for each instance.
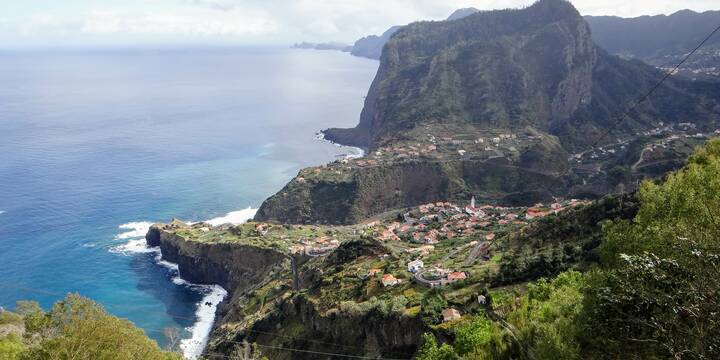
(90, 23)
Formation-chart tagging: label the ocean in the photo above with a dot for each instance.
(97, 145)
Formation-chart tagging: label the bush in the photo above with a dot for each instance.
(78, 328)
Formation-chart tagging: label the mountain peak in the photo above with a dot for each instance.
(505, 70)
(461, 13)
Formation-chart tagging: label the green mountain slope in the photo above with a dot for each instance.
(509, 69)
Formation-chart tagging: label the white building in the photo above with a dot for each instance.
(415, 266)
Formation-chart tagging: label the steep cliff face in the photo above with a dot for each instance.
(304, 327)
(373, 190)
(232, 266)
(511, 68)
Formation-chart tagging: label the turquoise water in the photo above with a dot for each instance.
(90, 141)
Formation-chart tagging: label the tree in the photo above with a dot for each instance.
(476, 337)
(431, 351)
(432, 305)
(655, 307)
(657, 295)
(78, 328)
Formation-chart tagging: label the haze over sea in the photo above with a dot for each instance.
(95, 146)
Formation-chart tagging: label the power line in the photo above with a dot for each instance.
(8, 285)
(300, 351)
(652, 90)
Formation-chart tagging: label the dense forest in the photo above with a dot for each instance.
(653, 295)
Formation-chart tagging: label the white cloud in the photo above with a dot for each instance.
(99, 23)
(259, 21)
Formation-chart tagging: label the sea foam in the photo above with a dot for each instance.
(353, 152)
(234, 217)
(213, 295)
(205, 314)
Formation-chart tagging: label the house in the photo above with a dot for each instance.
(456, 276)
(389, 280)
(490, 236)
(297, 249)
(415, 266)
(374, 271)
(450, 314)
(482, 300)
(261, 228)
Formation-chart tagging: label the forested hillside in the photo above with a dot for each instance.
(654, 294)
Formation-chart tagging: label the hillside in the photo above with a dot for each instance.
(508, 69)
(661, 40)
(371, 46)
(484, 281)
(504, 106)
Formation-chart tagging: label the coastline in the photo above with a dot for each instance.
(135, 244)
(134, 233)
(359, 152)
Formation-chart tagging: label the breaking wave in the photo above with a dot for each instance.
(213, 295)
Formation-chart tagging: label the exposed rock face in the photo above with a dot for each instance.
(373, 190)
(370, 334)
(511, 68)
(237, 268)
(371, 46)
(499, 72)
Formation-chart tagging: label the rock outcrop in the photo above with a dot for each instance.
(507, 69)
(237, 268)
(363, 334)
(372, 190)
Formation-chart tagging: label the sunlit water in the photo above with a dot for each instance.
(95, 146)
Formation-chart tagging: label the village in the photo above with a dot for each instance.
(434, 245)
(662, 137)
(439, 146)
(427, 238)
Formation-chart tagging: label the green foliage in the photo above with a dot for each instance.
(659, 292)
(654, 307)
(33, 315)
(78, 328)
(431, 351)
(11, 347)
(558, 243)
(683, 213)
(432, 305)
(7, 317)
(476, 336)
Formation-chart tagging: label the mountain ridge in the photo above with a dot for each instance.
(508, 106)
(583, 89)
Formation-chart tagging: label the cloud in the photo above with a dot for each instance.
(222, 5)
(99, 23)
(258, 21)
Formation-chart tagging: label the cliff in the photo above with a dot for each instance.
(238, 268)
(371, 45)
(369, 191)
(506, 69)
(352, 334)
(509, 106)
(274, 302)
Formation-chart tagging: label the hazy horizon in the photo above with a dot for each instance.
(87, 24)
